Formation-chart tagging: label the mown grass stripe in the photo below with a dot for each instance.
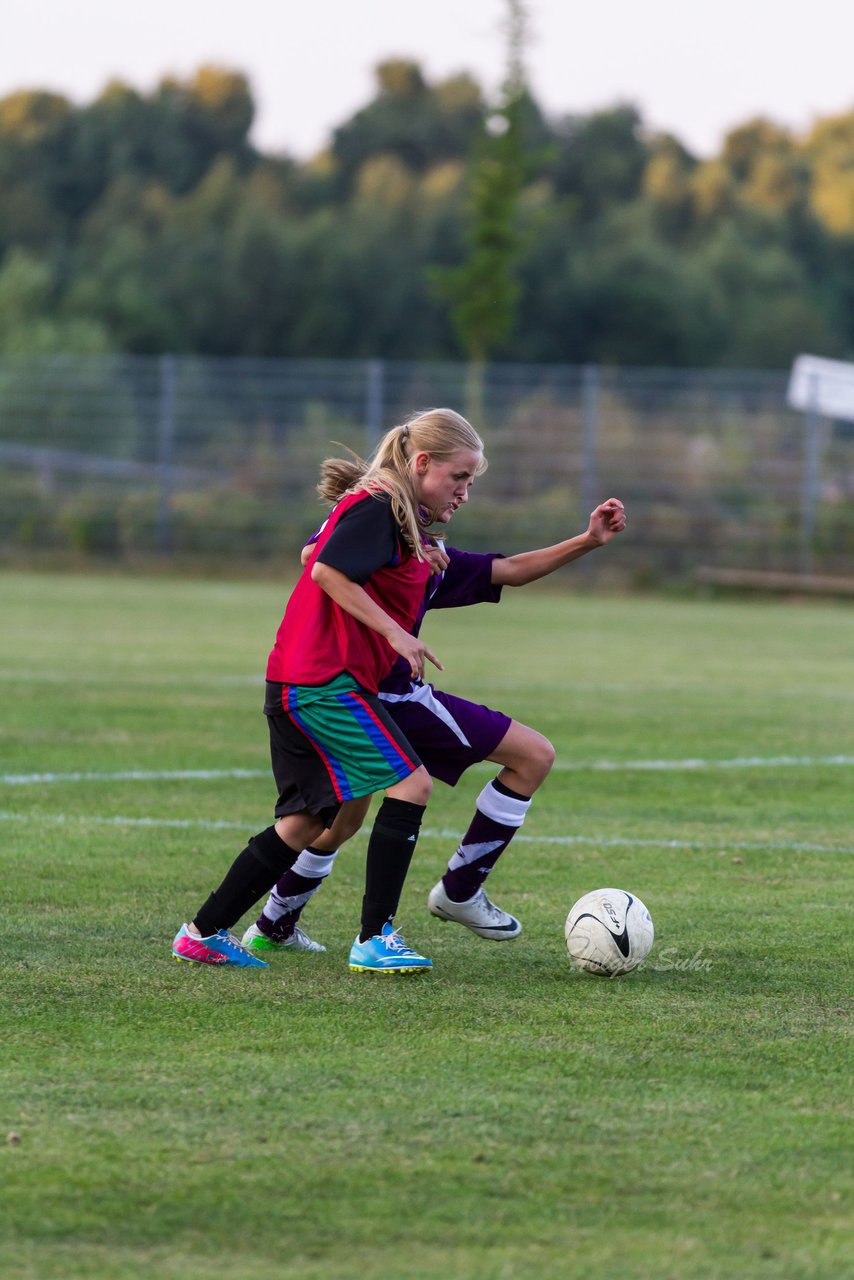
(581, 766)
(610, 842)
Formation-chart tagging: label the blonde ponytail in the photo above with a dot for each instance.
(339, 476)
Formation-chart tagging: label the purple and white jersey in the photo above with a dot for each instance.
(449, 733)
(467, 580)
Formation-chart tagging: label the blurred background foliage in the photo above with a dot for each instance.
(149, 223)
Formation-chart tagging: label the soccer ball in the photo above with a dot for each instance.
(609, 932)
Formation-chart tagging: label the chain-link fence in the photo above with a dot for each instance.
(217, 458)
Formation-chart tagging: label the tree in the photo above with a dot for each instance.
(667, 179)
(419, 124)
(831, 148)
(599, 160)
(771, 310)
(29, 323)
(34, 132)
(433, 225)
(484, 289)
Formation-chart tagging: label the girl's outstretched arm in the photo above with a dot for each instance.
(605, 523)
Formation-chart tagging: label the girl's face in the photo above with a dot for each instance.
(443, 485)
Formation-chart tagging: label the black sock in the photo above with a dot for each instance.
(252, 874)
(390, 850)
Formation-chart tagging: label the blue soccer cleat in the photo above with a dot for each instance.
(219, 948)
(386, 952)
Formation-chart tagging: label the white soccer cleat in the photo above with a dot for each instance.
(477, 913)
(299, 940)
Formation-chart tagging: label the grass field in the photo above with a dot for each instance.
(505, 1116)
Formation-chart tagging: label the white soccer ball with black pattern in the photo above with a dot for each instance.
(609, 932)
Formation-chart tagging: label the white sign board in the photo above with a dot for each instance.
(822, 386)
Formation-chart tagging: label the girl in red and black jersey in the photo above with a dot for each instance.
(348, 620)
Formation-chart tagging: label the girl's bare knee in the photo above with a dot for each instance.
(298, 830)
(544, 756)
(527, 754)
(417, 788)
(349, 820)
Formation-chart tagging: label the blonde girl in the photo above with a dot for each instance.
(348, 619)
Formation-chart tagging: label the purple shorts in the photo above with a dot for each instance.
(448, 733)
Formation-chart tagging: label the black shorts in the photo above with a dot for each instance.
(331, 745)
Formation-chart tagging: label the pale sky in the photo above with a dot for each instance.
(693, 67)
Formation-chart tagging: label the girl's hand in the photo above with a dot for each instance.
(414, 651)
(437, 558)
(607, 520)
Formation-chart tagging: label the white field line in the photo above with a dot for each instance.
(676, 766)
(582, 766)
(194, 680)
(720, 843)
(133, 775)
(128, 679)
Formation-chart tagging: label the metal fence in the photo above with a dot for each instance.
(217, 458)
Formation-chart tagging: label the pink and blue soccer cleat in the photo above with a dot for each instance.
(219, 948)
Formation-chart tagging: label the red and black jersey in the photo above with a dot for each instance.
(317, 639)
